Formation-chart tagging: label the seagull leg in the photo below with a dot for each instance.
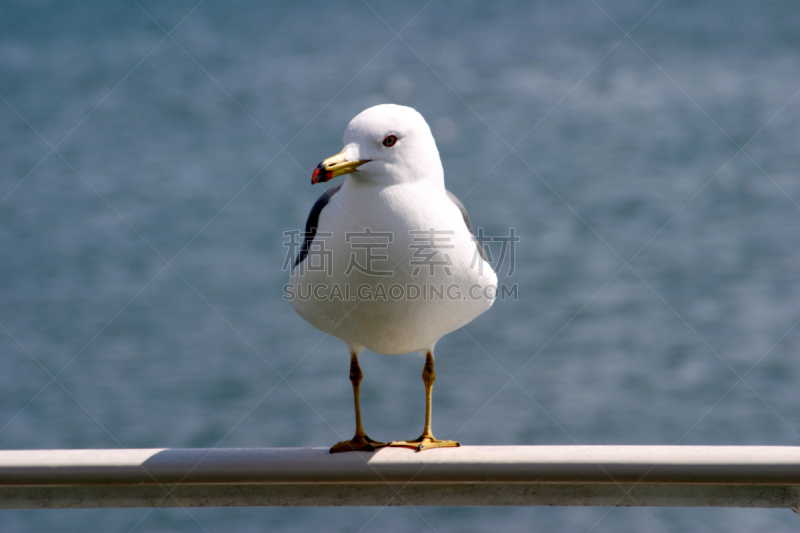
(360, 442)
(427, 440)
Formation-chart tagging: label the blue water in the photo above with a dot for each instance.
(141, 264)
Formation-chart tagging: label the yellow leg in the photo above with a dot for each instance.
(427, 440)
(360, 442)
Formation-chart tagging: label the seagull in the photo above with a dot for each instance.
(389, 261)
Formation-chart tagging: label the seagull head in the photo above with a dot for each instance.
(385, 145)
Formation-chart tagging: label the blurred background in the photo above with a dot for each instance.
(152, 155)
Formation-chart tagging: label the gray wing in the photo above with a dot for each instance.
(468, 223)
(313, 221)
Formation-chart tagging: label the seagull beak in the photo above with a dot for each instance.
(333, 167)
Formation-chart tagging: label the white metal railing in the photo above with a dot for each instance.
(674, 476)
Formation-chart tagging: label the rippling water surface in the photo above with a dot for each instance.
(152, 156)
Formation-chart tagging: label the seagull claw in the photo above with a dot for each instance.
(357, 444)
(425, 443)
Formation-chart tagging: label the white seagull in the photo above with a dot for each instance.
(389, 261)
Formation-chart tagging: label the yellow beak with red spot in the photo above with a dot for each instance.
(335, 166)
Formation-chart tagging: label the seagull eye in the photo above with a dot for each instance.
(390, 140)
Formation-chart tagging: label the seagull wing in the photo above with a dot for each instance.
(466, 221)
(313, 221)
